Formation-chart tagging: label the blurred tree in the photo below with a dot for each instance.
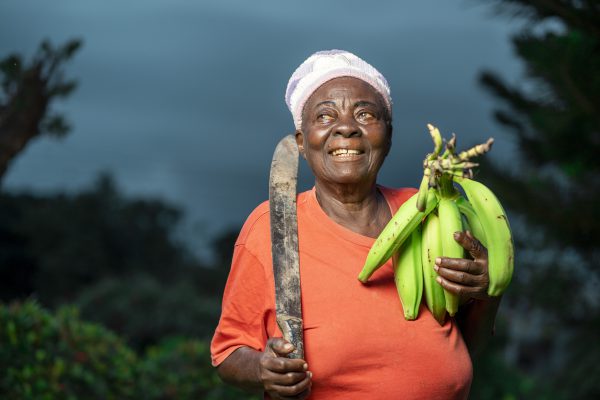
(117, 258)
(27, 92)
(554, 191)
(213, 280)
(144, 310)
(57, 246)
(222, 246)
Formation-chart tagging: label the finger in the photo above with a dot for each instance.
(464, 292)
(459, 264)
(283, 365)
(305, 394)
(280, 346)
(461, 290)
(300, 396)
(460, 277)
(471, 244)
(293, 391)
(286, 379)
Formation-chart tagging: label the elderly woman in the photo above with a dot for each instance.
(357, 343)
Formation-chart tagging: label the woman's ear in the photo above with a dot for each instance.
(300, 142)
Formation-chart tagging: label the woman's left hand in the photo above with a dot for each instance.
(467, 278)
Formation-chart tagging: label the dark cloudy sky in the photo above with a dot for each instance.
(183, 100)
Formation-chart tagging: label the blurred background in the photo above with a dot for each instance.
(135, 138)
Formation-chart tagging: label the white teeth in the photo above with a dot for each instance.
(344, 152)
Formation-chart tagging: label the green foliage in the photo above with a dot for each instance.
(554, 117)
(47, 357)
(59, 356)
(181, 369)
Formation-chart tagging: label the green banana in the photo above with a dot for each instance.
(404, 221)
(475, 227)
(431, 248)
(408, 274)
(497, 234)
(450, 222)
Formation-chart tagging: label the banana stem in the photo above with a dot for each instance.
(441, 169)
(447, 189)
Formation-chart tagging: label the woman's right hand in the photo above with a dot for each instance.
(282, 377)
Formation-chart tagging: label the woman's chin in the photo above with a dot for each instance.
(349, 177)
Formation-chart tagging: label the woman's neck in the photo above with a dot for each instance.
(362, 210)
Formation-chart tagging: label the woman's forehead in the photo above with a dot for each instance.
(342, 88)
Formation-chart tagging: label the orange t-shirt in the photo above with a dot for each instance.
(357, 343)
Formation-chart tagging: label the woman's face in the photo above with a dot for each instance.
(345, 133)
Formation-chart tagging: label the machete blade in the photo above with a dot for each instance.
(284, 242)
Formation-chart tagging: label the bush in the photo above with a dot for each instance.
(45, 357)
(180, 369)
(144, 310)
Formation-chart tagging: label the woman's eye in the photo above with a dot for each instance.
(324, 118)
(365, 116)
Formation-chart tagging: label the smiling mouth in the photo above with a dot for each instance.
(345, 153)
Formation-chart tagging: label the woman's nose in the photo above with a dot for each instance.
(347, 127)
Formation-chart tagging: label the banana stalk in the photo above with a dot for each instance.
(483, 215)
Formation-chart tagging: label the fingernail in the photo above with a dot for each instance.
(305, 366)
(439, 280)
(457, 235)
(309, 374)
(436, 267)
(287, 346)
(438, 260)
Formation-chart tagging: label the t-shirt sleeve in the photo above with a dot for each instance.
(243, 310)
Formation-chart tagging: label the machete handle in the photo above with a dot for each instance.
(291, 327)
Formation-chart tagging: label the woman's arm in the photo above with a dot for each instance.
(269, 371)
(470, 280)
(240, 369)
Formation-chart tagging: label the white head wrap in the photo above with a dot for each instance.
(324, 66)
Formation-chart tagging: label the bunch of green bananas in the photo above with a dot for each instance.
(422, 230)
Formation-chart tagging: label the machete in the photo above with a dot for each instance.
(284, 242)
